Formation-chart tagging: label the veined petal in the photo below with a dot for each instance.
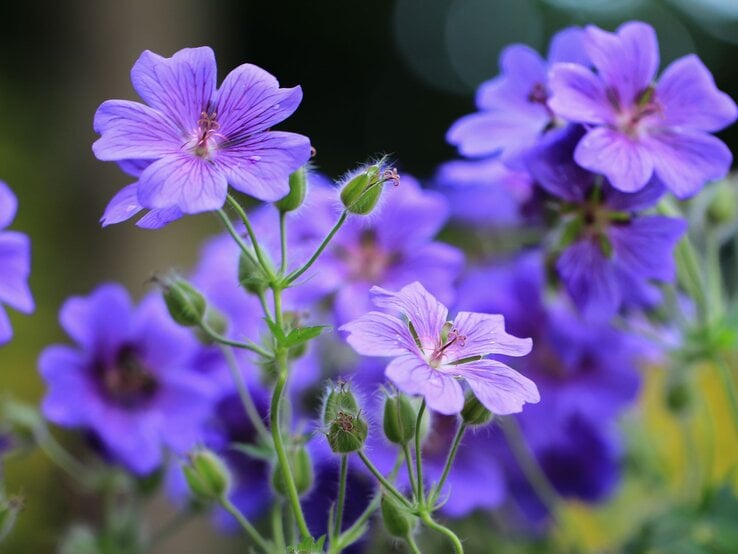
(379, 334)
(484, 334)
(250, 101)
(123, 206)
(426, 313)
(413, 375)
(487, 133)
(181, 87)
(577, 94)
(15, 260)
(8, 205)
(688, 97)
(156, 219)
(260, 165)
(686, 160)
(182, 181)
(501, 389)
(626, 162)
(133, 131)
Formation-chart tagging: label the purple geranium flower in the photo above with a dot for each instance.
(514, 111)
(198, 139)
(431, 355)
(638, 129)
(131, 379)
(390, 248)
(610, 251)
(15, 261)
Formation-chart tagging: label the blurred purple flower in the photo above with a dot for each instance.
(15, 261)
(638, 129)
(610, 251)
(432, 355)
(199, 139)
(131, 379)
(514, 111)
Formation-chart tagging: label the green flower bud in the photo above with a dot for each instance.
(302, 471)
(347, 433)
(296, 196)
(80, 539)
(724, 202)
(474, 413)
(185, 303)
(399, 419)
(339, 399)
(24, 422)
(398, 521)
(251, 275)
(207, 476)
(361, 193)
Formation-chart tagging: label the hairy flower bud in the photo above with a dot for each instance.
(398, 521)
(399, 419)
(251, 275)
(361, 193)
(207, 476)
(302, 471)
(340, 398)
(474, 413)
(347, 429)
(296, 196)
(185, 303)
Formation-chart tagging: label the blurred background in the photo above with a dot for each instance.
(378, 77)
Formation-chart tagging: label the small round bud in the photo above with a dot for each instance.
(399, 419)
(339, 399)
(302, 471)
(723, 205)
(296, 196)
(347, 433)
(251, 275)
(361, 193)
(474, 413)
(185, 303)
(398, 521)
(207, 476)
(80, 539)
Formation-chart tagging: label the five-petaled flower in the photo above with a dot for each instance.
(195, 139)
(431, 354)
(638, 129)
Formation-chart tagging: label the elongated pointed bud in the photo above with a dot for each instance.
(361, 193)
(298, 189)
(302, 471)
(399, 419)
(185, 303)
(398, 521)
(474, 413)
(207, 476)
(251, 275)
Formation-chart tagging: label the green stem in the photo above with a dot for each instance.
(729, 385)
(274, 412)
(245, 394)
(283, 242)
(409, 463)
(264, 305)
(341, 494)
(450, 460)
(412, 544)
(170, 528)
(236, 344)
(428, 520)
(236, 236)
(63, 459)
(252, 235)
(420, 494)
(386, 484)
(245, 524)
(278, 528)
(296, 274)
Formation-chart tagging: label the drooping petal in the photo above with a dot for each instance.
(156, 219)
(15, 261)
(686, 160)
(487, 133)
(688, 97)
(181, 87)
(626, 60)
(379, 334)
(413, 375)
(6, 331)
(426, 313)
(123, 206)
(627, 163)
(133, 131)
(637, 201)
(188, 183)
(590, 279)
(578, 95)
(260, 165)
(66, 374)
(141, 451)
(250, 101)
(568, 46)
(484, 334)
(8, 205)
(501, 389)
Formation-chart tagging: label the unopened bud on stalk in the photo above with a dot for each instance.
(296, 196)
(251, 275)
(185, 303)
(474, 413)
(398, 521)
(207, 476)
(361, 193)
(346, 428)
(399, 419)
(302, 471)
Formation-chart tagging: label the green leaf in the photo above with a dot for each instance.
(302, 334)
(308, 546)
(276, 330)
